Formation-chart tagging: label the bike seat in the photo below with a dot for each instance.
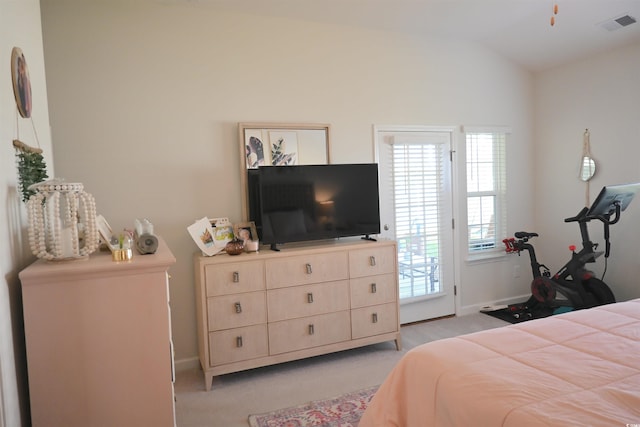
(524, 234)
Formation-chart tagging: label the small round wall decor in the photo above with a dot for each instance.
(21, 82)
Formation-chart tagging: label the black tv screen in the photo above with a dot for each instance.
(314, 202)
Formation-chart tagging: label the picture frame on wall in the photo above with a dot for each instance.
(21, 82)
(245, 231)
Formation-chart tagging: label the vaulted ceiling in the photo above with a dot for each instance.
(517, 29)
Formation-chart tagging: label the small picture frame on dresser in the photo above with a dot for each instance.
(202, 233)
(222, 231)
(220, 222)
(105, 231)
(245, 231)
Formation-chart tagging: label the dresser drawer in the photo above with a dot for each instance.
(308, 300)
(305, 269)
(307, 332)
(375, 320)
(234, 345)
(373, 290)
(231, 278)
(372, 261)
(232, 311)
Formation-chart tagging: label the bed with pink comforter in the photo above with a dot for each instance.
(576, 369)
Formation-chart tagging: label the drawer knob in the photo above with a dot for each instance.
(310, 297)
(311, 329)
(238, 307)
(372, 261)
(373, 288)
(238, 342)
(374, 318)
(236, 277)
(309, 270)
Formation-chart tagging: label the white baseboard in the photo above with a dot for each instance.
(475, 308)
(187, 364)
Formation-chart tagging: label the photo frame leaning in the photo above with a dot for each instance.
(202, 233)
(104, 229)
(245, 230)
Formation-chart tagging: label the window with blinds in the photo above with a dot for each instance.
(486, 190)
(418, 175)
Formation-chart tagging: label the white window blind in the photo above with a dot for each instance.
(418, 185)
(486, 190)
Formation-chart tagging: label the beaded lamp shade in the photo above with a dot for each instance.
(62, 221)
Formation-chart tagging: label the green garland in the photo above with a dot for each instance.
(31, 170)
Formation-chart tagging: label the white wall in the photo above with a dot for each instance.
(19, 26)
(602, 94)
(145, 101)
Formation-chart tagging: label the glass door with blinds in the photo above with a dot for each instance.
(416, 211)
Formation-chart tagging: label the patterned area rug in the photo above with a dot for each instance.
(342, 411)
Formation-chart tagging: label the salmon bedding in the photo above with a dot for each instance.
(580, 368)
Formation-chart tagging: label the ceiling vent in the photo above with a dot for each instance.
(617, 23)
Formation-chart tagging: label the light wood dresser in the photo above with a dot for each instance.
(267, 307)
(98, 339)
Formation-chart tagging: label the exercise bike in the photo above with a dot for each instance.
(573, 286)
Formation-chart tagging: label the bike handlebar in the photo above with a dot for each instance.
(606, 219)
(581, 215)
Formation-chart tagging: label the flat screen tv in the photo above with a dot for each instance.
(314, 202)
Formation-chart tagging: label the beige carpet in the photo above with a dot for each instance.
(235, 396)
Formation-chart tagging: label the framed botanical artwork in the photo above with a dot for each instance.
(284, 148)
(256, 154)
(279, 144)
(245, 231)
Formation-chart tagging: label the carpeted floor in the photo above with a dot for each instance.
(235, 396)
(345, 410)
